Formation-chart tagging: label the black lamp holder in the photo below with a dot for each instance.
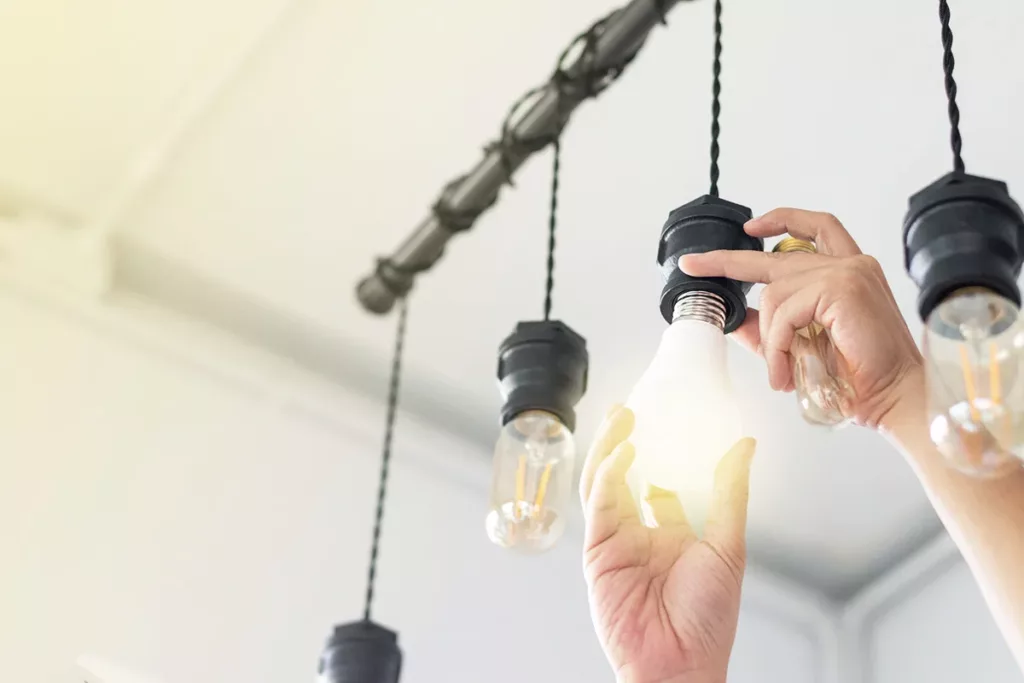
(708, 223)
(542, 365)
(361, 652)
(963, 231)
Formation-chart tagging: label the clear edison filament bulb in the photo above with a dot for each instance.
(974, 347)
(684, 406)
(530, 495)
(819, 371)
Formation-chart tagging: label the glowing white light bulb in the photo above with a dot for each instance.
(531, 491)
(685, 410)
(974, 346)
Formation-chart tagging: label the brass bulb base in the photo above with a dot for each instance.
(795, 245)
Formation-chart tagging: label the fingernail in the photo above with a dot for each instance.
(686, 257)
(746, 446)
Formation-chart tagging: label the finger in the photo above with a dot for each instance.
(777, 293)
(824, 229)
(611, 502)
(725, 531)
(795, 313)
(748, 334)
(747, 266)
(666, 510)
(616, 428)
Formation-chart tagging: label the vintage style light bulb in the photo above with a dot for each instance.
(963, 240)
(823, 392)
(974, 347)
(533, 469)
(684, 406)
(542, 370)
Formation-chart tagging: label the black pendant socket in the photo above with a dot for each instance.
(963, 231)
(361, 652)
(542, 366)
(706, 224)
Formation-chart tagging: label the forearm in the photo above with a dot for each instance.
(682, 678)
(984, 517)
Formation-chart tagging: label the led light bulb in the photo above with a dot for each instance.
(533, 469)
(684, 406)
(819, 371)
(974, 346)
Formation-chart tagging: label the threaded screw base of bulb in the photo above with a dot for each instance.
(701, 306)
(795, 245)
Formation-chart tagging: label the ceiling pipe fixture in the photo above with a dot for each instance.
(599, 56)
(542, 374)
(364, 651)
(963, 239)
(684, 406)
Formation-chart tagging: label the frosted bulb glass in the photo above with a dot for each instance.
(685, 411)
(974, 346)
(531, 491)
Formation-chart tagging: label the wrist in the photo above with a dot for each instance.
(905, 416)
(689, 677)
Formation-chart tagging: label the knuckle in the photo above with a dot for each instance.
(831, 220)
(869, 264)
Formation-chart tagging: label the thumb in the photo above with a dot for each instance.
(748, 334)
(725, 531)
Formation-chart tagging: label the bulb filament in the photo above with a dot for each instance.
(542, 488)
(969, 386)
(994, 379)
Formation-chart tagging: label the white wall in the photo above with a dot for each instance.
(201, 513)
(927, 621)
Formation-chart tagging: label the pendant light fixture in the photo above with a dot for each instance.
(685, 410)
(963, 246)
(364, 651)
(542, 375)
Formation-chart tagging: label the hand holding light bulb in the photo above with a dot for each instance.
(665, 603)
(973, 360)
(838, 288)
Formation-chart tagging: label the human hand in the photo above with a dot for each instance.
(665, 604)
(839, 288)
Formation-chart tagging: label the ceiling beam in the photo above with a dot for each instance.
(187, 113)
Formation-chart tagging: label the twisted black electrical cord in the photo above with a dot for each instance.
(389, 433)
(716, 91)
(556, 151)
(956, 142)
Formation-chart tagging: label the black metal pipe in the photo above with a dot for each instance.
(622, 35)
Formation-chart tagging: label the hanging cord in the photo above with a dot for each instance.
(955, 141)
(389, 433)
(716, 91)
(556, 152)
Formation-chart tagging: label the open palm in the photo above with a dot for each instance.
(665, 603)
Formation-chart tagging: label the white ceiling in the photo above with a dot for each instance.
(255, 155)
